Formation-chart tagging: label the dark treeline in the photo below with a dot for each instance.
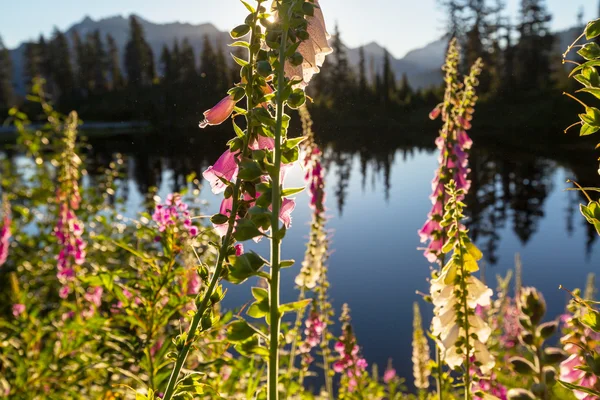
(91, 74)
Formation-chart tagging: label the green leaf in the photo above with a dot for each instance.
(246, 230)
(522, 366)
(248, 6)
(592, 29)
(255, 311)
(238, 131)
(291, 191)
(592, 320)
(239, 331)
(250, 170)
(587, 129)
(245, 266)
(286, 263)
(295, 306)
(239, 61)
(594, 91)
(219, 219)
(293, 142)
(239, 31)
(259, 293)
(579, 388)
(240, 43)
(590, 51)
(591, 212)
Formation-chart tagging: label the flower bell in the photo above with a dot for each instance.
(219, 113)
(313, 50)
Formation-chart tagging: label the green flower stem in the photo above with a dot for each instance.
(541, 376)
(297, 327)
(275, 315)
(191, 334)
(325, 335)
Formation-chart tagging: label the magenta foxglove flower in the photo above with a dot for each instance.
(69, 231)
(435, 112)
(18, 309)
(174, 216)
(314, 332)
(389, 375)
(239, 249)
(219, 113)
(5, 235)
(226, 168)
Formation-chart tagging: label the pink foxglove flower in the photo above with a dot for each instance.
(389, 375)
(5, 235)
(313, 50)
(219, 113)
(350, 364)
(226, 168)
(577, 341)
(18, 309)
(69, 231)
(239, 249)
(314, 332)
(174, 216)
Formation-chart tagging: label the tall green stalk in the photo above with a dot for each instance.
(275, 315)
(202, 307)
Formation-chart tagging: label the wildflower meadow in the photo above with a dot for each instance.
(100, 304)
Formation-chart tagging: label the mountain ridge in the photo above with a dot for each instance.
(421, 65)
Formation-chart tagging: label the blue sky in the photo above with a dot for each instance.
(400, 25)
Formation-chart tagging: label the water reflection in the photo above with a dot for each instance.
(378, 185)
(509, 186)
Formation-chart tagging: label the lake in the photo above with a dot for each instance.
(377, 199)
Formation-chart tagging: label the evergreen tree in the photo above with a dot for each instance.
(84, 66)
(362, 73)
(114, 67)
(533, 52)
(388, 82)
(223, 77)
(100, 62)
(139, 60)
(60, 57)
(6, 84)
(32, 62)
(187, 63)
(341, 75)
(45, 57)
(166, 65)
(209, 74)
(455, 20)
(405, 92)
(176, 62)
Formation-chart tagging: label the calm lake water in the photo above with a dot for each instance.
(376, 202)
